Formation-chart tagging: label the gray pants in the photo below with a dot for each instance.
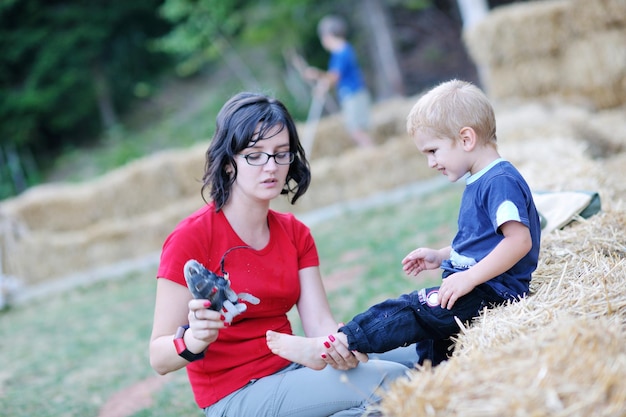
(303, 392)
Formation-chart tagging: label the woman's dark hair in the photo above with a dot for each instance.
(243, 120)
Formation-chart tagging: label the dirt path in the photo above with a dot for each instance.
(135, 398)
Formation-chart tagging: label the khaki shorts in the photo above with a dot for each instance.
(356, 111)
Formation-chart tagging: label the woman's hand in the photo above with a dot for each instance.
(204, 325)
(338, 355)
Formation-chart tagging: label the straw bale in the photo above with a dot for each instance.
(533, 77)
(387, 121)
(611, 126)
(519, 120)
(584, 16)
(568, 48)
(331, 137)
(359, 172)
(513, 33)
(589, 69)
(559, 351)
(573, 367)
(139, 187)
(595, 67)
(128, 212)
(44, 256)
(563, 165)
(389, 118)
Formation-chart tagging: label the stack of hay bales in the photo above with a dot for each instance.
(60, 230)
(567, 48)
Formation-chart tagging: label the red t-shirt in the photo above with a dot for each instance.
(240, 353)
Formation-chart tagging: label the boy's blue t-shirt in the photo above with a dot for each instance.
(493, 196)
(344, 62)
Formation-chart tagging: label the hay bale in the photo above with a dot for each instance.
(331, 137)
(594, 67)
(47, 256)
(359, 172)
(533, 375)
(557, 352)
(567, 48)
(589, 70)
(514, 33)
(389, 118)
(387, 121)
(533, 77)
(584, 17)
(137, 188)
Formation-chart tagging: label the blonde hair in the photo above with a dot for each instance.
(451, 106)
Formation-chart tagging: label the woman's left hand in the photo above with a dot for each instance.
(338, 355)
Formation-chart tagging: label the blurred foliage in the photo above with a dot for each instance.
(207, 30)
(72, 69)
(61, 57)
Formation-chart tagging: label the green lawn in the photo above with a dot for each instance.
(67, 354)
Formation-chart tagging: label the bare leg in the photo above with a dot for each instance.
(303, 350)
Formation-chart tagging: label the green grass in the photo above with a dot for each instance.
(372, 244)
(67, 354)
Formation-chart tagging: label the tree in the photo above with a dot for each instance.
(375, 21)
(205, 31)
(68, 67)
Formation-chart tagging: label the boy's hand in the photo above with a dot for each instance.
(420, 260)
(312, 73)
(454, 287)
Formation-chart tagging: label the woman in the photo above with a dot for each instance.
(254, 157)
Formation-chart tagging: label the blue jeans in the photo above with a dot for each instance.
(414, 318)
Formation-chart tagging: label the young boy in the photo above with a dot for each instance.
(491, 258)
(345, 75)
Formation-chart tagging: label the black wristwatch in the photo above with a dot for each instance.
(181, 348)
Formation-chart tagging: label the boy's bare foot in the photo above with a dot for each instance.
(302, 350)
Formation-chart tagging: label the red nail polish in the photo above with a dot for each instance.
(207, 304)
(323, 356)
(214, 290)
(327, 345)
(222, 317)
(331, 337)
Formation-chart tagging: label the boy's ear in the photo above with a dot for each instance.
(468, 138)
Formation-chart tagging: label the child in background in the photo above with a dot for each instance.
(491, 258)
(345, 75)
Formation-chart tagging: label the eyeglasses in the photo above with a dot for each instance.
(261, 158)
